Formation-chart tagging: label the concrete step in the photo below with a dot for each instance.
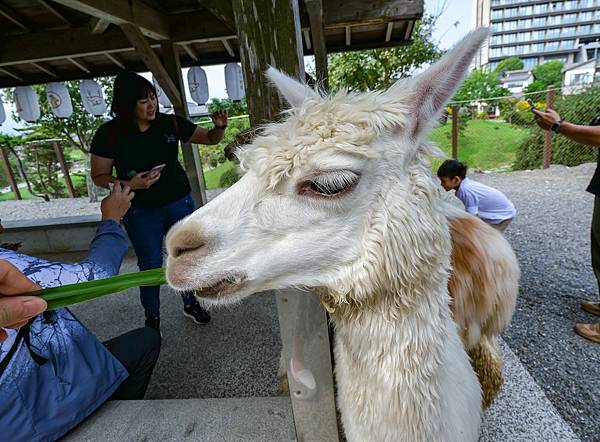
(230, 419)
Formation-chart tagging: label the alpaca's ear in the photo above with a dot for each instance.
(292, 90)
(430, 90)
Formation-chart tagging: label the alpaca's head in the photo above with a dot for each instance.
(337, 195)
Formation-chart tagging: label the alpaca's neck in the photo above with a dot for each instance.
(392, 373)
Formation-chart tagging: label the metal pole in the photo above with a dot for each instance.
(454, 132)
(11, 175)
(65, 170)
(548, 135)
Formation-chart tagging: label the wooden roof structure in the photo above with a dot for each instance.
(55, 40)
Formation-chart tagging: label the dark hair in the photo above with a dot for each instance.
(129, 87)
(452, 168)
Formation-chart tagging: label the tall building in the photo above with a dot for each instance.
(537, 31)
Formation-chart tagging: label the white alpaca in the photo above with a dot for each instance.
(339, 197)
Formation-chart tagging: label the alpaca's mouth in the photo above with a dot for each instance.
(230, 284)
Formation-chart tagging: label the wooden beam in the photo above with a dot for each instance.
(10, 74)
(64, 168)
(115, 60)
(153, 63)
(10, 174)
(153, 23)
(409, 29)
(348, 36)
(191, 155)
(222, 10)
(372, 12)
(388, 31)
(80, 42)
(12, 16)
(315, 17)
(80, 64)
(269, 34)
(53, 10)
(44, 69)
(306, 34)
(228, 48)
(190, 51)
(98, 25)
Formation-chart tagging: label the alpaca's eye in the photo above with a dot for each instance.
(330, 184)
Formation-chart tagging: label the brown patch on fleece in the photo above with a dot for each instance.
(487, 364)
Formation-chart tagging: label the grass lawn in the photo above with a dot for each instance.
(485, 145)
(76, 178)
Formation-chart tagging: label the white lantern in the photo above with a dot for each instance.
(92, 97)
(59, 100)
(160, 94)
(198, 84)
(2, 112)
(234, 81)
(27, 104)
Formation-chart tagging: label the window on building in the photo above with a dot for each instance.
(567, 44)
(492, 65)
(524, 36)
(538, 22)
(571, 4)
(553, 33)
(557, 6)
(529, 62)
(580, 78)
(570, 30)
(511, 12)
(497, 27)
(540, 9)
(510, 25)
(585, 29)
(510, 38)
(586, 3)
(585, 16)
(592, 53)
(537, 47)
(538, 35)
(526, 10)
(497, 13)
(509, 51)
(569, 18)
(496, 40)
(552, 46)
(525, 24)
(554, 20)
(495, 52)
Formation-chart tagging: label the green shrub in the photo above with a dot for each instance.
(229, 178)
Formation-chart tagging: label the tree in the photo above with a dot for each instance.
(77, 131)
(380, 68)
(481, 85)
(233, 108)
(549, 73)
(509, 64)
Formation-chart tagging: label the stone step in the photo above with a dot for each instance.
(229, 419)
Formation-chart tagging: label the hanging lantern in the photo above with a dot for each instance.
(2, 112)
(27, 104)
(59, 100)
(198, 84)
(234, 81)
(92, 97)
(160, 94)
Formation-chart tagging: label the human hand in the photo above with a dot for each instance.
(545, 119)
(144, 180)
(15, 311)
(219, 118)
(115, 205)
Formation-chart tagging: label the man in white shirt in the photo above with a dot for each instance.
(485, 202)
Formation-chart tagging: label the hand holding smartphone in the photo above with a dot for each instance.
(531, 104)
(156, 170)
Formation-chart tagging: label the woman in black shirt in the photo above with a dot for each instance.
(142, 145)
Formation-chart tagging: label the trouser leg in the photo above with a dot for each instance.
(595, 240)
(138, 351)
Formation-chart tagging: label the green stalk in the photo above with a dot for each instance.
(70, 294)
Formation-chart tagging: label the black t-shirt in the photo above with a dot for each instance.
(137, 152)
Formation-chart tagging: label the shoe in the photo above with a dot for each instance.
(153, 322)
(303, 376)
(589, 331)
(591, 307)
(196, 313)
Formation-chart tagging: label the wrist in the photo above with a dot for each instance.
(221, 126)
(556, 126)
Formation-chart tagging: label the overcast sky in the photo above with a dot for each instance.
(453, 23)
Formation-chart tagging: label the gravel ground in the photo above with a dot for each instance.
(551, 238)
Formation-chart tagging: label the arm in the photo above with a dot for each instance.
(102, 175)
(214, 135)
(470, 202)
(589, 135)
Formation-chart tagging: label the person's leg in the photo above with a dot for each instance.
(502, 226)
(595, 240)
(138, 351)
(145, 230)
(176, 211)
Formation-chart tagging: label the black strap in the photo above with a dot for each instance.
(12, 350)
(22, 335)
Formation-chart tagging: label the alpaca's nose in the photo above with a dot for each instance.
(185, 241)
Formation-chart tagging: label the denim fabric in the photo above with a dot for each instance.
(147, 228)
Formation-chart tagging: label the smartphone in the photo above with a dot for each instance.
(531, 103)
(156, 169)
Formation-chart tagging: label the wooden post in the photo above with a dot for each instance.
(548, 135)
(269, 34)
(65, 170)
(191, 156)
(315, 17)
(11, 175)
(454, 132)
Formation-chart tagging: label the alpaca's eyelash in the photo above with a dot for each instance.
(330, 184)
